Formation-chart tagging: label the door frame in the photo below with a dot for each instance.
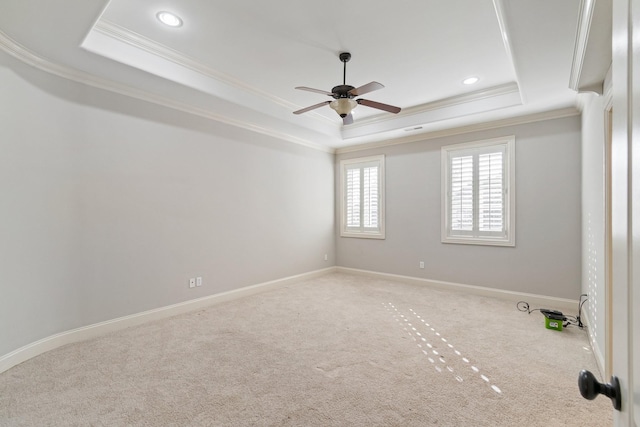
(608, 268)
(625, 208)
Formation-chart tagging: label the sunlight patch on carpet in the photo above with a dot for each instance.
(419, 336)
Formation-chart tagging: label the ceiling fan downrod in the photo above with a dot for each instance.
(345, 57)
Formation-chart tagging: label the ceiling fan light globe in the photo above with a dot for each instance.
(343, 106)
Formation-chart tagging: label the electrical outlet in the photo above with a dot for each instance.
(326, 257)
(421, 264)
(199, 281)
(192, 282)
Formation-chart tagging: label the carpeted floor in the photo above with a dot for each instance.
(340, 350)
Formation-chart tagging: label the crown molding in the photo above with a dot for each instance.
(512, 121)
(493, 98)
(145, 44)
(500, 8)
(585, 16)
(26, 56)
(467, 98)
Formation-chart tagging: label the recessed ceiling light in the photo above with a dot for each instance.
(168, 18)
(470, 80)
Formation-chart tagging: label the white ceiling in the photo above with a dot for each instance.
(238, 62)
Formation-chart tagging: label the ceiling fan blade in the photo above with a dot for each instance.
(313, 107)
(369, 87)
(379, 105)
(348, 119)
(310, 89)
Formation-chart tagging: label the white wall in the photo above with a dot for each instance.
(546, 259)
(593, 219)
(109, 205)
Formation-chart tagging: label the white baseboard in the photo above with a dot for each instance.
(597, 352)
(91, 331)
(562, 304)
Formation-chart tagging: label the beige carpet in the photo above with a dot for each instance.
(339, 350)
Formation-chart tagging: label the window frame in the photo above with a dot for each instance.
(379, 233)
(476, 237)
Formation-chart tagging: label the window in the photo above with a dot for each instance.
(362, 197)
(478, 195)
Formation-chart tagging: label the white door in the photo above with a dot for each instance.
(625, 214)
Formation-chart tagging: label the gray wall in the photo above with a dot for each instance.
(547, 256)
(109, 205)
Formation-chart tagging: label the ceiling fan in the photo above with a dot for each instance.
(343, 95)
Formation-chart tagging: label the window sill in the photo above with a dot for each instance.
(478, 241)
(362, 235)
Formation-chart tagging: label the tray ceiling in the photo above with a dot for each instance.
(239, 62)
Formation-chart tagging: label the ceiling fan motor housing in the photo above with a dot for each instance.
(342, 91)
(343, 104)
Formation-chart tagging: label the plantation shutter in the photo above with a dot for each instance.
(370, 196)
(362, 196)
(353, 197)
(477, 199)
(462, 193)
(490, 192)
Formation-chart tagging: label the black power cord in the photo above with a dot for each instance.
(580, 304)
(569, 320)
(524, 306)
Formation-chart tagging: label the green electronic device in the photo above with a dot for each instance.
(553, 319)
